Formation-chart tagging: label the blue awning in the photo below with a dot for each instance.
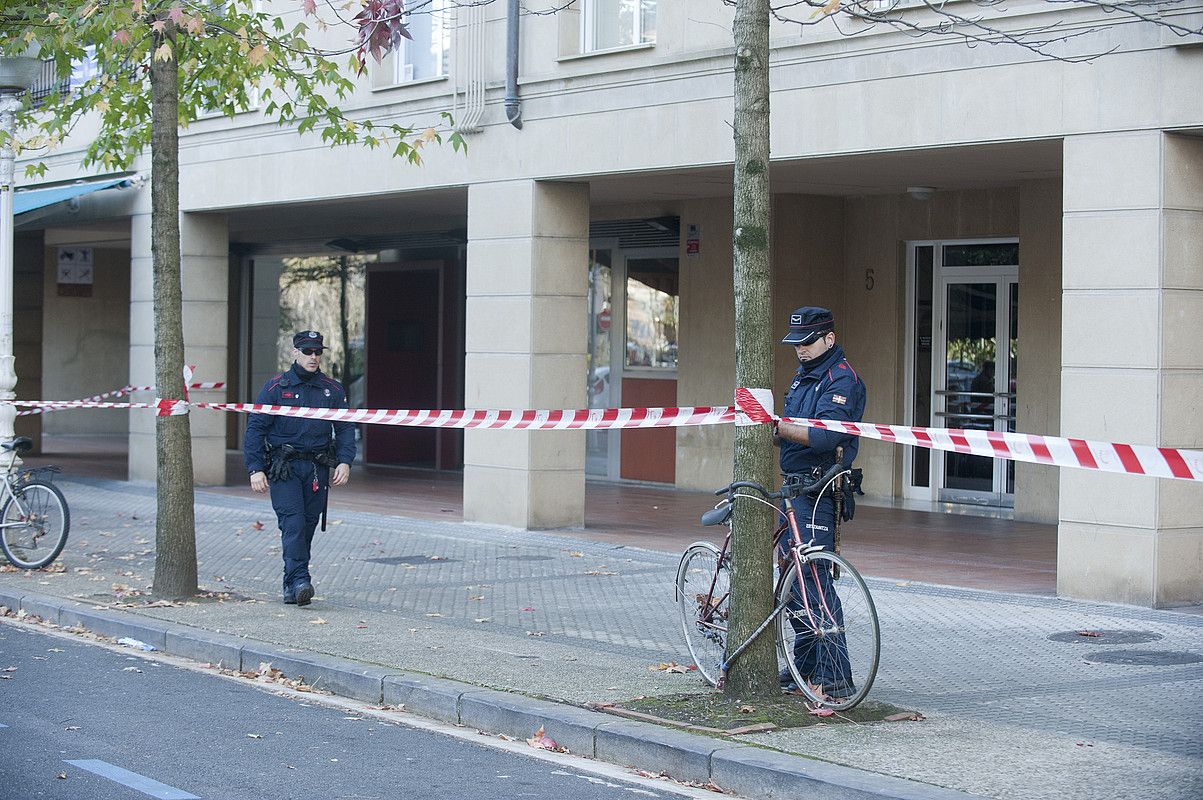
(32, 199)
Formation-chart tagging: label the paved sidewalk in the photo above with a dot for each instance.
(1012, 709)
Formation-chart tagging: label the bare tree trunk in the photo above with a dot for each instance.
(175, 525)
(754, 674)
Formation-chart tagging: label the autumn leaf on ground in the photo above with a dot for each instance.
(821, 712)
(670, 666)
(528, 608)
(905, 716)
(600, 572)
(575, 554)
(318, 621)
(481, 619)
(535, 633)
(747, 709)
(1089, 633)
(257, 525)
(254, 736)
(542, 742)
(476, 597)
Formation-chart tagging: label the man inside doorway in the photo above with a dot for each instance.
(824, 387)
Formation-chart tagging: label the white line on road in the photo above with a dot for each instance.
(141, 783)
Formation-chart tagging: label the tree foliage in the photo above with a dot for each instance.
(231, 57)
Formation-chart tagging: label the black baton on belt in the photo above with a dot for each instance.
(326, 503)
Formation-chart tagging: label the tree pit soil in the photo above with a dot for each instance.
(714, 713)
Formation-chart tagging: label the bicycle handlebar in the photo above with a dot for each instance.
(788, 490)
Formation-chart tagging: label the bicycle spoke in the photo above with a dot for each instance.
(703, 592)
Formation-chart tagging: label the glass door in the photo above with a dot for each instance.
(962, 337)
(975, 384)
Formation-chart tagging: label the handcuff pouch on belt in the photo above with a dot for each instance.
(281, 456)
(849, 487)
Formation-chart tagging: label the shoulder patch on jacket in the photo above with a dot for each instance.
(839, 398)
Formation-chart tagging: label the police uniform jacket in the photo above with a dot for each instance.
(828, 389)
(306, 435)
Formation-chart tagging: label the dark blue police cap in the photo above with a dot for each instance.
(303, 340)
(808, 324)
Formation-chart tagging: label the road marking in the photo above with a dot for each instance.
(141, 783)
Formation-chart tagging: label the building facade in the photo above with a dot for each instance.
(1008, 241)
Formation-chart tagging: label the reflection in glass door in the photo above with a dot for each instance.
(964, 344)
(601, 309)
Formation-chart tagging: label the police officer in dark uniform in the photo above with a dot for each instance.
(824, 387)
(292, 456)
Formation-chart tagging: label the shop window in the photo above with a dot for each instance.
(424, 56)
(652, 313)
(610, 24)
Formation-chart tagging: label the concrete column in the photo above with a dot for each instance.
(204, 253)
(525, 344)
(1132, 363)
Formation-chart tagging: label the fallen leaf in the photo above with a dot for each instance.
(476, 597)
(747, 709)
(254, 736)
(481, 619)
(1089, 633)
(535, 633)
(528, 608)
(600, 572)
(670, 666)
(434, 614)
(318, 621)
(131, 669)
(257, 525)
(575, 554)
(542, 742)
(905, 716)
(821, 712)
(62, 776)
(71, 728)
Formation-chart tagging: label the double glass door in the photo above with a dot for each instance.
(966, 341)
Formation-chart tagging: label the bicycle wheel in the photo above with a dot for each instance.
(35, 522)
(830, 627)
(704, 595)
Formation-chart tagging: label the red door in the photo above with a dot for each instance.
(402, 364)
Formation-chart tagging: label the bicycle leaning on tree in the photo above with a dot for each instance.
(34, 519)
(826, 624)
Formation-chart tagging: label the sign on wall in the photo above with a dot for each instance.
(693, 239)
(74, 273)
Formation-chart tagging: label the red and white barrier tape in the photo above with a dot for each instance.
(1161, 462)
(44, 407)
(1129, 459)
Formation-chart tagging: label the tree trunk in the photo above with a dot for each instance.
(754, 674)
(175, 524)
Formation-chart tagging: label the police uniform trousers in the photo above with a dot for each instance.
(823, 660)
(298, 508)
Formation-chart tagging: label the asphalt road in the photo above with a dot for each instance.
(79, 721)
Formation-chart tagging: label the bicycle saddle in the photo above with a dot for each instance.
(22, 444)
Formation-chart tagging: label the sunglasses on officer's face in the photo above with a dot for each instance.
(311, 351)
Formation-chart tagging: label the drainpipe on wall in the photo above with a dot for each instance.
(513, 105)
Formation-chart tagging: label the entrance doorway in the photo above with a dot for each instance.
(413, 351)
(963, 370)
(633, 322)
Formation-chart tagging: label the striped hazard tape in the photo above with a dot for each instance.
(751, 408)
(1130, 459)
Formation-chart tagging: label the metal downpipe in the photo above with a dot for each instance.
(513, 104)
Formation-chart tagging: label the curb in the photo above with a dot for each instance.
(744, 770)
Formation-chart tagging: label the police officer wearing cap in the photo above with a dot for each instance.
(824, 387)
(292, 456)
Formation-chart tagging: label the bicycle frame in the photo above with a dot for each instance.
(798, 551)
(6, 487)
